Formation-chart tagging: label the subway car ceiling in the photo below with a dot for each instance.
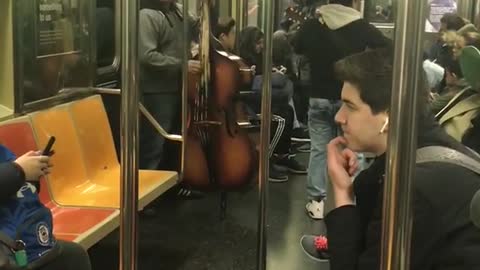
(36, 66)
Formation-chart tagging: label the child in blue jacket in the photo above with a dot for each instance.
(14, 175)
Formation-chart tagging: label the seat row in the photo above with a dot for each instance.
(83, 189)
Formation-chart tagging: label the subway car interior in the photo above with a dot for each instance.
(241, 134)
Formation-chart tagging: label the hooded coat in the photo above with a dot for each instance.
(160, 44)
(340, 31)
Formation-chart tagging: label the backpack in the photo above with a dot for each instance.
(448, 155)
(456, 117)
(26, 228)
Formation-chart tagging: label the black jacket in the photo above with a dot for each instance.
(443, 236)
(12, 178)
(324, 44)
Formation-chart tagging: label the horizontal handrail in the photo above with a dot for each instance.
(158, 127)
(143, 110)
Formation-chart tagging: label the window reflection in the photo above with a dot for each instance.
(54, 46)
(105, 38)
(379, 11)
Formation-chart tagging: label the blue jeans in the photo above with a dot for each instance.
(322, 127)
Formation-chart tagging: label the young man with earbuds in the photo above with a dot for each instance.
(443, 235)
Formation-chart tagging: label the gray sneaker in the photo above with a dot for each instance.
(316, 247)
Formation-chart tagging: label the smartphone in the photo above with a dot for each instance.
(48, 149)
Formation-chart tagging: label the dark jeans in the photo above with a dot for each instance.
(72, 257)
(287, 113)
(164, 108)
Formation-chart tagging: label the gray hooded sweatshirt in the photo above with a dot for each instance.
(160, 49)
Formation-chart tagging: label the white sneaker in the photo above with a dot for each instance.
(315, 209)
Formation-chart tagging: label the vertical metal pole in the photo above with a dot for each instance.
(407, 70)
(186, 54)
(268, 9)
(466, 9)
(244, 14)
(129, 137)
(237, 14)
(92, 35)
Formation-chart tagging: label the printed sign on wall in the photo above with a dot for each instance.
(438, 8)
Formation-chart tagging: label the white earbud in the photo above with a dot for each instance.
(384, 127)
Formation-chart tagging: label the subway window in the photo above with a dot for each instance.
(435, 11)
(53, 47)
(105, 32)
(379, 11)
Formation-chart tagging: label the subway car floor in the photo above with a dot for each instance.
(189, 235)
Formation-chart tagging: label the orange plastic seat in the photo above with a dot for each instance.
(101, 162)
(69, 174)
(94, 225)
(17, 136)
(87, 172)
(83, 225)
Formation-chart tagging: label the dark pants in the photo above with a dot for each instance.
(287, 113)
(72, 257)
(301, 100)
(164, 108)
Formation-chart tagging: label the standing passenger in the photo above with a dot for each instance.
(340, 31)
(161, 55)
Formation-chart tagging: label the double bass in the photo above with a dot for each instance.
(219, 153)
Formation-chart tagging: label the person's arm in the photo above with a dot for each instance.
(150, 30)
(14, 172)
(12, 178)
(377, 39)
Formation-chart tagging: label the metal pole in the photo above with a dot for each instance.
(244, 14)
(466, 9)
(237, 15)
(186, 54)
(268, 9)
(407, 70)
(129, 137)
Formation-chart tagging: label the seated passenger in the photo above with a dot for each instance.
(282, 91)
(454, 82)
(16, 197)
(443, 235)
(282, 56)
(460, 115)
(225, 34)
(251, 49)
(449, 22)
(471, 66)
